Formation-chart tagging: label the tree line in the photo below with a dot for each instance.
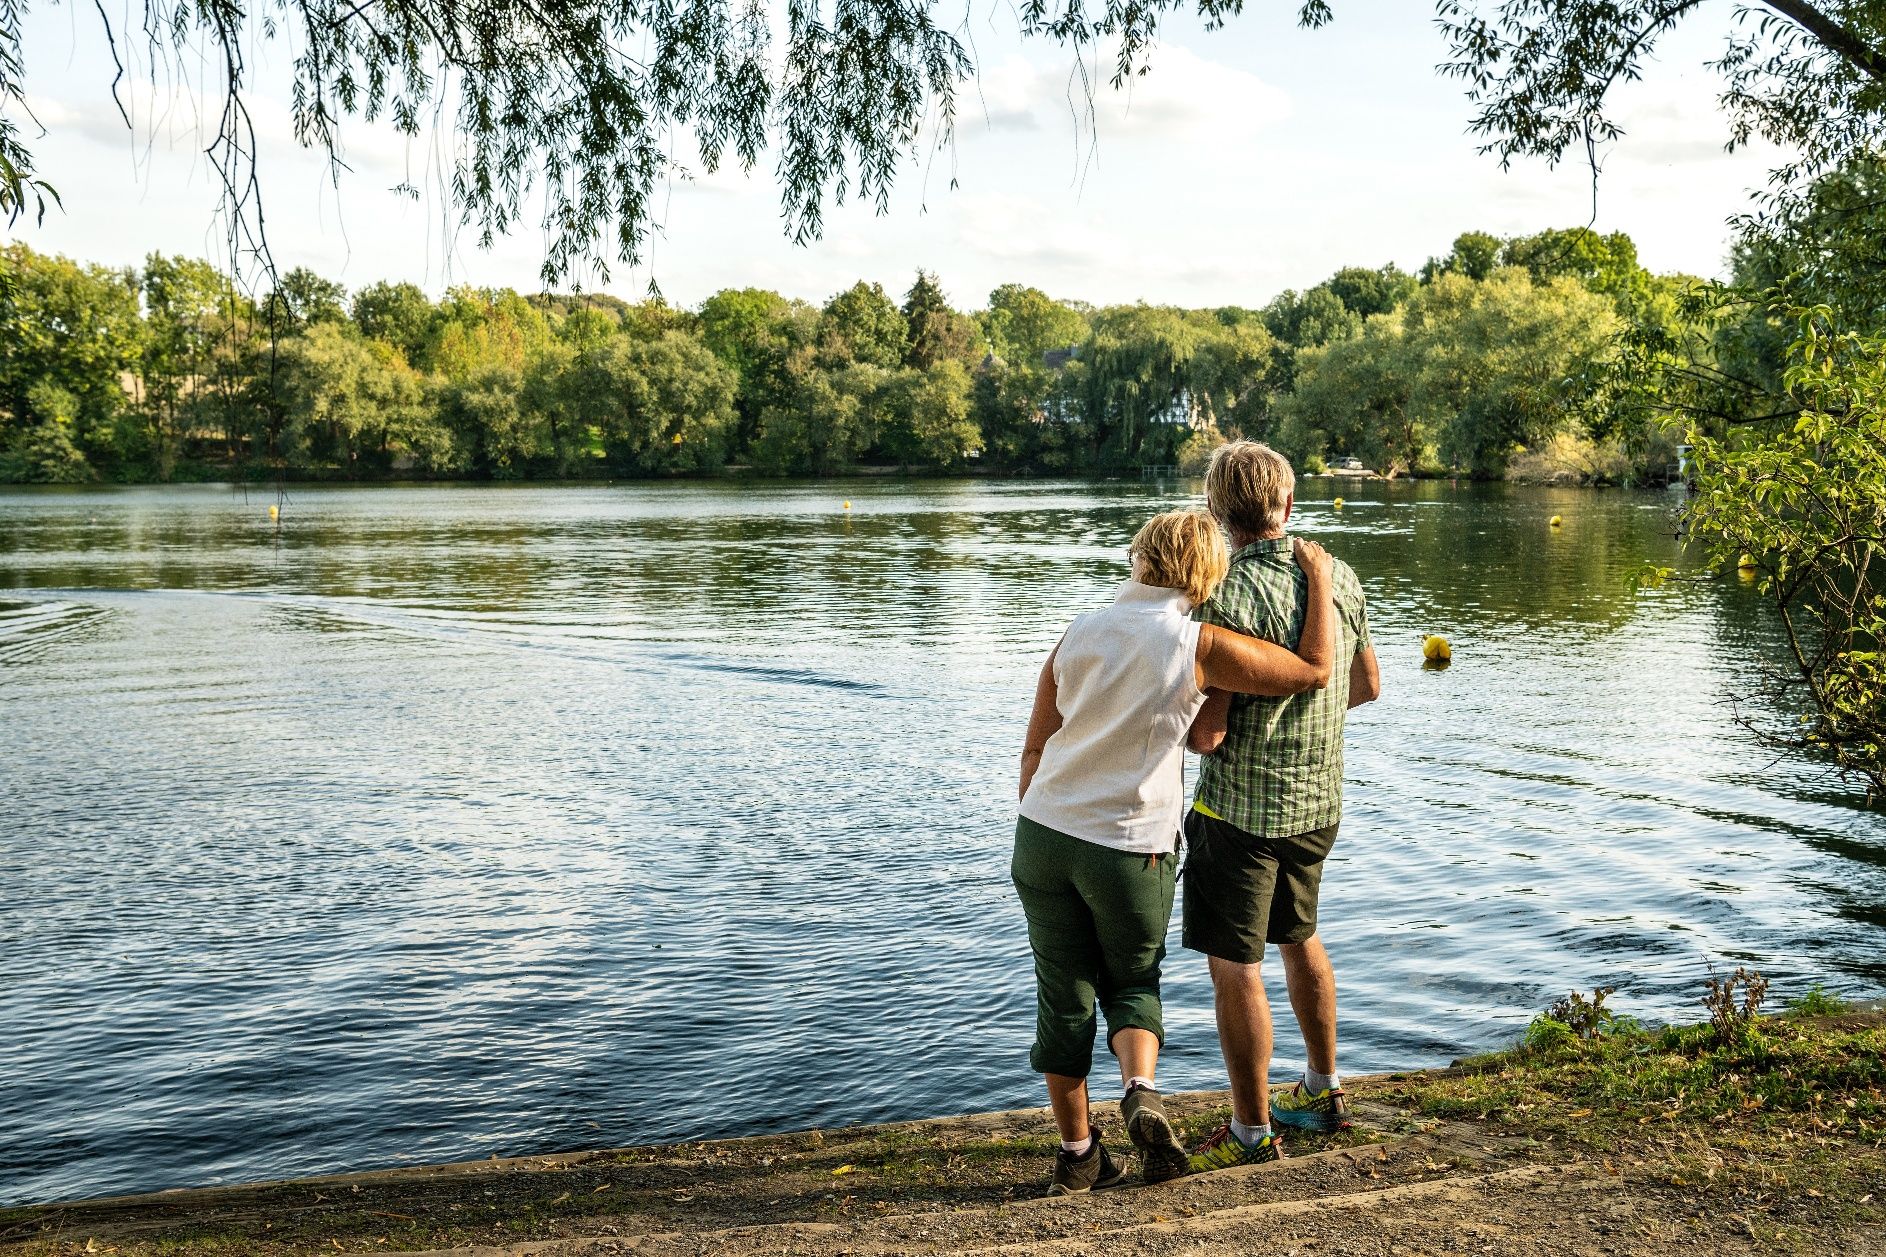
(171, 371)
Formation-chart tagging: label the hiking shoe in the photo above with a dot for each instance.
(1161, 1155)
(1325, 1111)
(1224, 1150)
(1074, 1175)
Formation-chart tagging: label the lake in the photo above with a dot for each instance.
(438, 822)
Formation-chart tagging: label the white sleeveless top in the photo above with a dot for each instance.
(1126, 682)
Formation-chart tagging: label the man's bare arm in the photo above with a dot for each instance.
(1211, 723)
(1365, 678)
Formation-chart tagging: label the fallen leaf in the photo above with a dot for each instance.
(603, 1188)
(560, 1199)
(843, 1169)
(1579, 1113)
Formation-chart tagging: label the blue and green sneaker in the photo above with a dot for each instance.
(1325, 1111)
(1224, 1150)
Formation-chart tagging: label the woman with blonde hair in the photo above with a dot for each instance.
(1102, 797)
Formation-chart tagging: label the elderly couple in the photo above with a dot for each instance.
(1251, 658)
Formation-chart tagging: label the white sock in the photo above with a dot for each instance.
(1079, 1147)
(1139, 1081)
(1249, 1135)
(1314, 1082)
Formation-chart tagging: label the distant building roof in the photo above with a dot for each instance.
(1055, 359)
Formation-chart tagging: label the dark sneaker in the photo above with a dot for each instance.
(1161, 1155)
(1224, 1150)
(1326, 1111)
(1074, 1175)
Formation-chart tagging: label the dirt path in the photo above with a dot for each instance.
(1399, 1183)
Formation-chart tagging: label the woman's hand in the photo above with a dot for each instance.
(1312, 558)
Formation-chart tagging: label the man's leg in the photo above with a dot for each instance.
(1312, 986)
(1319, 1104)
(1244, 1034)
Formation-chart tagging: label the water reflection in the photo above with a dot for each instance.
(421, 826)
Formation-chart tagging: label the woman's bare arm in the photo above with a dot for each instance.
(1250, 665)
(1043, 722)
(1211, 724)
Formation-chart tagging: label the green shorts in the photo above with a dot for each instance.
(1242, 891)
(1097, 925)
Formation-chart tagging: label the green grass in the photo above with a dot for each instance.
(1787, 1089)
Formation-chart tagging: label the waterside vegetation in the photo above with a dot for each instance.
(1488, 362)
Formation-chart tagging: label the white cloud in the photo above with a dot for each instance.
(1182, 99)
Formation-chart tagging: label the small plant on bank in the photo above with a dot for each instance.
(1733, 1003)
(1574, 1018)
(1819, 1002)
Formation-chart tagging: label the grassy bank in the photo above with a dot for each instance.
(1595, 1136)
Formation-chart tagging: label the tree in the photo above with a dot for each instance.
(1364, 290)
(499, 435)
(936, 332)
(478, 328)
(42, 450)
(398, 314)
(1352, 397)
(929, 424)
(1024, 323)
(1807, 511)
(818, 421)
(353, 406)
(1605, 264)
(303, 297)
(1465, 373)
(866, 326)
(669, 405)
(76, 328)
(1475, 254)
(1137, 375)
(194, 363)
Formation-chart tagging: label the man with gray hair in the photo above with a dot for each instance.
(1265, 815)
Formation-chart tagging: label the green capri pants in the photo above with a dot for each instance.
(1097, 925)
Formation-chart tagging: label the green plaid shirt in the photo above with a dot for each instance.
(1279, 772)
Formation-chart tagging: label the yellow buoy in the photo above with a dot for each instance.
(1337, 504)
(1558, 520)
(1436, 649)
(847, 505)
(274, 512)
(1746, 563)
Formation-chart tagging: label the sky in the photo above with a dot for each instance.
(1249, 160)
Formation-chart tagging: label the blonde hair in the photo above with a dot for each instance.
(1248, 487)
(1183, 550)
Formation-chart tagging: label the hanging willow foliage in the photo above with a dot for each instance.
(580, 102)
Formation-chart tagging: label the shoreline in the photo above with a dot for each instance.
(1632, 1142)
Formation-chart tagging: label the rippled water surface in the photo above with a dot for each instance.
(442, 822)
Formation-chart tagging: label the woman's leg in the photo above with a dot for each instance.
(1061, 934)
(1130, 898)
